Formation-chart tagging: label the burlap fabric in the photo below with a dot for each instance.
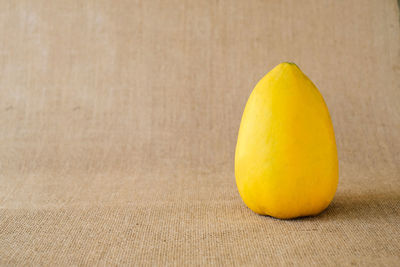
(118, 125)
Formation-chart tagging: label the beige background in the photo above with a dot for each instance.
(118, 125)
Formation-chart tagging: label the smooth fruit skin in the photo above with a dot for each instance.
(286, 163)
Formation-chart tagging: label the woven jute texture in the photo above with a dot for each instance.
(119, 119)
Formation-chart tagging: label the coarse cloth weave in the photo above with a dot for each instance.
(119, 120)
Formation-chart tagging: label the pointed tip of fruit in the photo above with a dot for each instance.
(291, 64)
(288, 68)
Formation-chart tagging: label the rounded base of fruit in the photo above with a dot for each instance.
(289, 215)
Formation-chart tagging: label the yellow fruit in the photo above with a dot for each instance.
(286, 162)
